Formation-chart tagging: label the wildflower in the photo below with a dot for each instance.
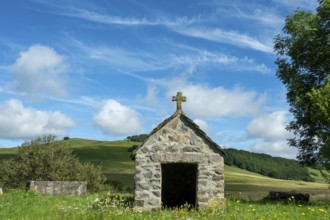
(321, 210)
(303, 213)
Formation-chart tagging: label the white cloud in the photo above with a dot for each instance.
(252, 12)
(39, 71)
(275, 148)
(207, 58)
(17, 121)
(121, 59)
(107, 19)
(207, 102)
(151, 97)
(126, 21)
(228, 37)
(117, 119)
(270, 127)
(272, 135)
(203, 125)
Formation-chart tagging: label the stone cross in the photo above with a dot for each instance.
(179, 99)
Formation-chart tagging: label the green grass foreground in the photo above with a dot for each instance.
(29, 205)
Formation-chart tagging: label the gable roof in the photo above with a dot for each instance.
(196, 128)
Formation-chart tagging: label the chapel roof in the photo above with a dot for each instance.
(180, 114)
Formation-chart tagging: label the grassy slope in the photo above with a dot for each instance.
(117, 165)
(255, 186)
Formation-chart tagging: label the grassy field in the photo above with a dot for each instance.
(254, 186)
(28, 205)
(114, 158)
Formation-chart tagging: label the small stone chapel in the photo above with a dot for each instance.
(178, 164)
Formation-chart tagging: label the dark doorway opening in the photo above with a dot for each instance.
(179, 184)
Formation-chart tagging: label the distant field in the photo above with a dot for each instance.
(254, 186)
(115, 160)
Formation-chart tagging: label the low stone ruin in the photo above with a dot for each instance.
(74, 188)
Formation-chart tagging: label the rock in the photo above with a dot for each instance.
(1, 192)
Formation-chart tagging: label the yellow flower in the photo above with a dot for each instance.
(321, 210)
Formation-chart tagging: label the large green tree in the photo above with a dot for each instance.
(304, 68)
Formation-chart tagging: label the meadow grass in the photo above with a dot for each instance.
(29, 205)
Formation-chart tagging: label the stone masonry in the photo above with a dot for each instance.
(75, 188)
(178, 140)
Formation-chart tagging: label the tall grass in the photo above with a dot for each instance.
(29, 205)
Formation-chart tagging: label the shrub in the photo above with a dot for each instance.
(48, 159)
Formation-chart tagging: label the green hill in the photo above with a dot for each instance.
(275, 167)
(114, 157)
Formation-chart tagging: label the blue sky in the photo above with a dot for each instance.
(106, 70)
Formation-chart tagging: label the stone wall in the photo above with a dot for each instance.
(176, 142)
(75, 188)
(1, 192)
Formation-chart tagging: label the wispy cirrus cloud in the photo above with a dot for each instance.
(226, 37)
(182, 25)
(206, 58)
(121, 58)
(258, 16)
(127, 21)
(175, 55)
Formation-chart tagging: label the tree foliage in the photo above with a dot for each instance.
(137, 138)
(304, 68)
(275, 167)
(48, 159)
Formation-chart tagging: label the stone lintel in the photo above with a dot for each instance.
(179, 158)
